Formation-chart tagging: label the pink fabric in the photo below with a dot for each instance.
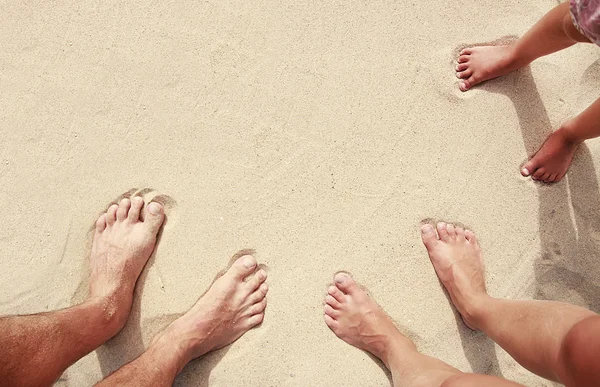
(586, 17)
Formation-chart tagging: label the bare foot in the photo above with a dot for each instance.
(122, 244)
(457, 260)
(357, 319)
(482, 63)
(234, 304)
(551, 162)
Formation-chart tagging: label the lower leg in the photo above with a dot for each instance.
(355, 318)
(234, 304)
(533, 332)
(36, 349)
(554, 32)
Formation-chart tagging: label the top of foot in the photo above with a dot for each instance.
(357, 319)
(482, 63)
(458, 263)
(234, 304)
(123, 241)
(551, 162)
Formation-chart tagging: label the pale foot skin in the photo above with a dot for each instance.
(234, 304)
(36, 349)
(458, 263)
(124, 239)
(482, 63)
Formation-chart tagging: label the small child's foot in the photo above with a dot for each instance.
(357, 319)
(551, 162)
(482, 63)
(456, 258)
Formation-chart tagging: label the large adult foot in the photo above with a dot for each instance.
(482, 63)
(457, 260)
(234, 304)
(357, 319)
(124, 239)
(551, 162)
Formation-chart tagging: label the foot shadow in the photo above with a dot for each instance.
(569, 212)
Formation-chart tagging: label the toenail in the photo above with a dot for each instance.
(525, 171)
(426, 229)
(341, 278)
(154, 208)
(249, 261)
(262, 274)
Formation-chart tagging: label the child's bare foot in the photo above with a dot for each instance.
(482, 63)
(234, 304)
(551, 162)
(357, 319)
(457, 260)
(122, 244)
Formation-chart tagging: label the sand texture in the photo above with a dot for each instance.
(318, 133)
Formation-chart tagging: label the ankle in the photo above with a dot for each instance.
(396, 348)
(568, 132)
(114, 309)
(474, 311)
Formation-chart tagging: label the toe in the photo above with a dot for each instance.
(123, 209)
(101, 223)
(451, 231)
(331, 322)
(470, 235)
(337, 294)
(256, 280)
(539, 173)
(443, 232)
(466, 51)
(257, 308)
(331, 301)
(329, 311)
(428, 236)
(255, 320)
(154, 216)
(345, 283)
(111, 214)
(467, 83)
(464, 74)
(463, 59)
(545, 177)
(529, 168)
(243, 267)
(461, 67)
(460, 233)
(552, 178)
(136, 206)
(263, 288)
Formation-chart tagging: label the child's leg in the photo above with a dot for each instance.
(552, 160)
(554, 32)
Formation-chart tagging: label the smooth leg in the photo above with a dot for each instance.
(541, 335)
(36, 349)
(234, 304)
(357, 319)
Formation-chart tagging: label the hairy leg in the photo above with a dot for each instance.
(554, 32)
(234, 304)
(357, 319)
(36, 349)
(533, 332)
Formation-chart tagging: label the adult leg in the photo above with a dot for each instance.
(541, 335)
(36, 349)
(554, 32)
(357, 319)
(234, 304)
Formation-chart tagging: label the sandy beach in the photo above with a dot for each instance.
(320, 134)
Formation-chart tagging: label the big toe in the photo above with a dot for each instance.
(529, 168)
(429, 236)
(154, 216)
(345, 283)
(243, 267)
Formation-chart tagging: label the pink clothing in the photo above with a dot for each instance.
(586, 17)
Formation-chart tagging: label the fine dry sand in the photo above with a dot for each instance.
(318, 133)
